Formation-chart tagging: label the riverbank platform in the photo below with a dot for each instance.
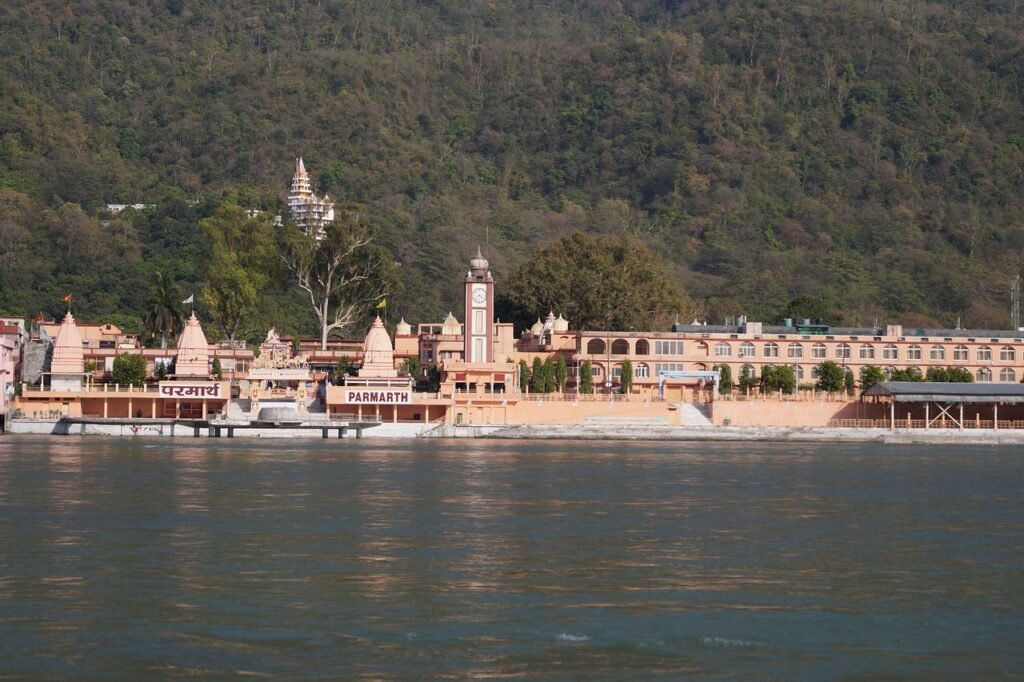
(196, 428)
(734, 433)
(633, 432)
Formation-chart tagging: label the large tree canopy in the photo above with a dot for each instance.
(240, 266)
(596, 283)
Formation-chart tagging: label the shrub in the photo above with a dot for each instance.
(129, 370)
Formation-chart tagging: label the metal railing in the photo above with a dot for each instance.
(93, 388)
(980, 424)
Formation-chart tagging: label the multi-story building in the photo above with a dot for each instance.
(310, 212)
(8, 362)
(989, 355)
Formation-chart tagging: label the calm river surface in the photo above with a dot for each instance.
(143, 559)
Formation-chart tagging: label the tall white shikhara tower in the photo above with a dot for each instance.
(310, 212)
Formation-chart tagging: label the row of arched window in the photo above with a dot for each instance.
(817, 351)
(643, 371)
(865, 351)
(621, 347)
(983, 374)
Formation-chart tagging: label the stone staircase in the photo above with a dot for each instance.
(694, 415)
(239, 408)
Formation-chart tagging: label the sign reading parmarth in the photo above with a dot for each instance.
(197, 389)
(377, 396)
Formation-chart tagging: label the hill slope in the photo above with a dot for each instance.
(868, 155)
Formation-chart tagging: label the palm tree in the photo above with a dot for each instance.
(163, 314)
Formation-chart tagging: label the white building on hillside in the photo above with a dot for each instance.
(310, 212)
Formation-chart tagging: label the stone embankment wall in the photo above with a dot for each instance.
(170, 429)
(557, 410)
(792, 413)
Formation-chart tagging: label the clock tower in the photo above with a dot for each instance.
(479, 329)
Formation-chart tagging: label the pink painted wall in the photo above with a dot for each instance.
(552, 411)
(7, 362)
(791, 412)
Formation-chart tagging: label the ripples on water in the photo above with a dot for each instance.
(134, 559)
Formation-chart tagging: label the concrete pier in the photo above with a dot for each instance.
(195, 428)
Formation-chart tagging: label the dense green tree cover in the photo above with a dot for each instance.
(548, 369)
(724, 378)
(626, 382)
(240, 266)
(596, 282)
(831, 377)
(870, 375)
(433, 376)
(778, 378)
(163, 309)
(957, 375)
(342, 370)
(764, 149)
(129, 369)
(908, 374)
(748, 379)
(585, 380)
(538, 381)
(561, 374)
(850, 382)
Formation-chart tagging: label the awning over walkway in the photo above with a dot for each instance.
(946, 392)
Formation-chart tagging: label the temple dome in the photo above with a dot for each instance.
(561, 324)
(479, 263)
(538, 328)
(68, 357)
(403, 328)
(193, 351)
(378, 353)
(451, 326)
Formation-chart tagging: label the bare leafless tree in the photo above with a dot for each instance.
(340, 269)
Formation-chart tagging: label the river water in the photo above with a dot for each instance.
(142, 559)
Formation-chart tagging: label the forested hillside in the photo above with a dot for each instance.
(863, 156)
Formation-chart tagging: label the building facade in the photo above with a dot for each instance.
(989, 355)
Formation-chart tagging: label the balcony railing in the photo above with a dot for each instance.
(92, 388)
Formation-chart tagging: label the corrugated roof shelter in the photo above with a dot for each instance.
(946, 392)
(949, 399)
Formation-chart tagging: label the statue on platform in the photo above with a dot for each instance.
(276, 354)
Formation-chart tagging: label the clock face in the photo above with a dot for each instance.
(479, 295)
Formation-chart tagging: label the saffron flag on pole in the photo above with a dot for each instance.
(67, 299)
(383, 303)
